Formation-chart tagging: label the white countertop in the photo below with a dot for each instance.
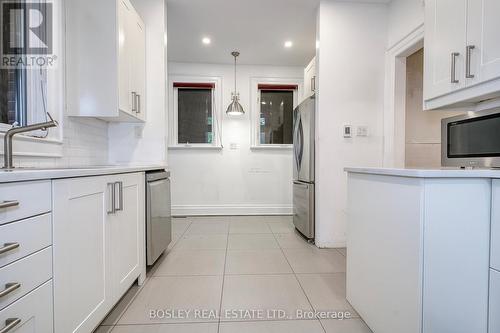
(428, 173)
(24, 174)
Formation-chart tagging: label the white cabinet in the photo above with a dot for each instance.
(495, 226)
(125, 230)
(462, 53)
(98, 237)
(445, 38)
(105, 55)
(310, 79)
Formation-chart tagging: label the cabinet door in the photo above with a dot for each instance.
(310, 79)
(139, 64)
(494, 312)
(483, 33)
(81, 298)
(126, 228)
(445, 40)
(495, 226)
(125, 45)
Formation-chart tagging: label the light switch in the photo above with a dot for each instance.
(347, 131)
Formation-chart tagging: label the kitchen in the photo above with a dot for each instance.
(185, 166)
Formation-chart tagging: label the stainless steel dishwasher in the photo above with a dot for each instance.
(158, 214)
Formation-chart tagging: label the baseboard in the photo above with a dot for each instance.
(197, 210)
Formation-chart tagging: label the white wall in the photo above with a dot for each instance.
(232, 181)
(146, 143)
(404, 17)
(350, 66)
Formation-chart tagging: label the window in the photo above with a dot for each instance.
(274, 113)
(194, 115)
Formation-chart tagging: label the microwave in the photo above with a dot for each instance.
(471, 140)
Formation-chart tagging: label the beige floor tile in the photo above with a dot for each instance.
(343, 251)
(115, 314)
(249, 227)
(282, 227)
(192, 262)
(316, 260)
(252, 242)
(292, 241)
(256, 218)
(262, 293)
(174, 293)
(345, 326)
(326, 292)
(290, 326)
(202, 242)
(180, 225)
(208, 228)
(168, 328)
(256, 262)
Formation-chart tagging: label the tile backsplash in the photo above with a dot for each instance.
(85, 142)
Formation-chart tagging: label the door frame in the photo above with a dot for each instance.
(395, 97)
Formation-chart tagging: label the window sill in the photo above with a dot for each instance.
(194, 147)
(272, 147)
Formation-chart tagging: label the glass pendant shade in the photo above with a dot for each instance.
(235, 108)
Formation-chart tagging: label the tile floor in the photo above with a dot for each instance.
(230, 264)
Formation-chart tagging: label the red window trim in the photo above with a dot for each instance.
(197, 85)
(266, 86)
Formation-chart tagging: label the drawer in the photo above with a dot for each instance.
(32, 235)
(494, 316)
(22, 276)
(31, 314)
(24, 199)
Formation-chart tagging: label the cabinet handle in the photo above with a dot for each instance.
(120, 196)
(9, 287)
(468, 61)
(10, 324)
(8, 204)
(454, 56)
(313, 83)
(7, 247)
(111, 187)
(138, 103)
(134, 101)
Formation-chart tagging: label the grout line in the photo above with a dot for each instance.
(223, 279)
(143, 285)
(298, 281)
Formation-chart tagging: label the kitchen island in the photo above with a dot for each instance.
(419, 249)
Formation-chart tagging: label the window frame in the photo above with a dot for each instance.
(173, 139)
(255, 107)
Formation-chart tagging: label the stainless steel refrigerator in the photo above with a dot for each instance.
(303, 167)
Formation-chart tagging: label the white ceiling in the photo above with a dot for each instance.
(256, 28)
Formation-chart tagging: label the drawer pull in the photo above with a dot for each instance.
(10, 324)
(8, 247)
(9, 287)
(8, 204)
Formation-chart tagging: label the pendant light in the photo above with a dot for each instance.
(235, 108)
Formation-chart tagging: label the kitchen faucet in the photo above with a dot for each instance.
(9, 135)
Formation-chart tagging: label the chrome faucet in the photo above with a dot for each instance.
(7, 140)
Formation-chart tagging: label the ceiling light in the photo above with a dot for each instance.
(206, 41)
(235, 108)
(288, 44)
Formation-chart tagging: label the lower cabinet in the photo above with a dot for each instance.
(98, 226)
(495, 226)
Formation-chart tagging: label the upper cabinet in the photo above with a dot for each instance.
(106, 60)
(462, 53)
(310, 79)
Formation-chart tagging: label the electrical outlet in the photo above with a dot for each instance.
(234, 146)
(362, 131)
(138, 132)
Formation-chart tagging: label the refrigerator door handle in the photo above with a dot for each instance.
(301, 144)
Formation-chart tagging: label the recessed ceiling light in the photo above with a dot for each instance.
(206, 40)
(288, 44)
